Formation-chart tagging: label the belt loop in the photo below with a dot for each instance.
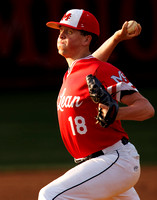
(124, 141)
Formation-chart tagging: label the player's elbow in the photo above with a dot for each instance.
(149, 111)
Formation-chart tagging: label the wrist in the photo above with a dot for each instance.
(117, 37)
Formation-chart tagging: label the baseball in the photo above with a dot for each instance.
(131, 26)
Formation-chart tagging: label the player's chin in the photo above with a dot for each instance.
(61, 52)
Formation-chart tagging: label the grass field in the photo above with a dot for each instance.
(30, 138)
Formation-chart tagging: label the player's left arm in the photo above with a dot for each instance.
(137, 108)
(105, 50)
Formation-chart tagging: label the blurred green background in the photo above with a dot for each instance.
(30, 137)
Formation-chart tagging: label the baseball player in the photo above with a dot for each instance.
(89, 116)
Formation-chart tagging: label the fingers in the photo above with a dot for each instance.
(123, 34)
(125, 25)
(137, 31)
(104, 109)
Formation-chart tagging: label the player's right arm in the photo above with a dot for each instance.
(105, 50)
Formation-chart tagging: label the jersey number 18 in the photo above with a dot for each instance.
(78, 123)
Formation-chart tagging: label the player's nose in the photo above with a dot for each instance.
(62, 35)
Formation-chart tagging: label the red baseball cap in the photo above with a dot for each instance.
(78, 19)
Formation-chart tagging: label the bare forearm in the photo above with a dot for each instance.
(139, 111)
(137, 108)
(105, 50)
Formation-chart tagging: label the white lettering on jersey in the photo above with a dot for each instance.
(120, 78)
(68, 101)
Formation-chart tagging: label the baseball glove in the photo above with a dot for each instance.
(99, 95)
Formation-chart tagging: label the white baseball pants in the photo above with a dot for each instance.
(111, 176)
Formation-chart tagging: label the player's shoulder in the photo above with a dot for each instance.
(92, 60)
(89, 59)
(102, 64)
(107, 66)
(88, 62)
(97, 65)
(105, 73)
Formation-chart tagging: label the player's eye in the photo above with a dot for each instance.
(66, 31)
(70, 32)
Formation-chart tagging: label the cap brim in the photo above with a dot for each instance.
(54, 25)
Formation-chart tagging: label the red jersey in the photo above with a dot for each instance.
(76, 110)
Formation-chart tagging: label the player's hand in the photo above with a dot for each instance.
(123, 34)
(104, 109)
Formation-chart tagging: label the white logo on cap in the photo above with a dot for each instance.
(66, 17)
(72, 17)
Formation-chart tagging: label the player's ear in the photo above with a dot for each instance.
(87, 40)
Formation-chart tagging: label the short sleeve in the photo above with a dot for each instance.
(114, 80)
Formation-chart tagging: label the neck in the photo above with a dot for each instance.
(71, 60)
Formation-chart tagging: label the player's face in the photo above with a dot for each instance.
(69, 42)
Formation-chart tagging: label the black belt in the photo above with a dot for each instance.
(124, 141)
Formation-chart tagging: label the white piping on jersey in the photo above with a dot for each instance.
(74, 62)
(119, 87)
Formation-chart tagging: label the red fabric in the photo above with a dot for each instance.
(76, 111)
